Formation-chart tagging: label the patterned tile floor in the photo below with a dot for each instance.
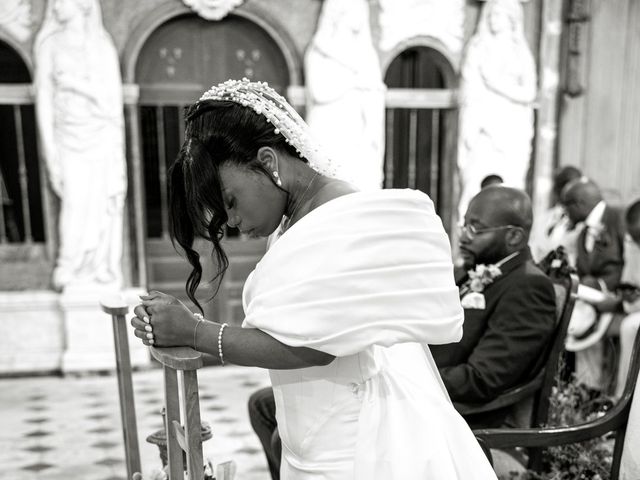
(65, 428)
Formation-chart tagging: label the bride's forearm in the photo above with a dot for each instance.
(253, 347)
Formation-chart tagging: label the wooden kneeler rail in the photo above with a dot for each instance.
(118, 309)
(182, 401)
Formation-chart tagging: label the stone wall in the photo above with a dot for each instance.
(46, 331)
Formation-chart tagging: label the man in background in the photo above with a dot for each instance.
(490, 180)
(509, 307)
(626, 300)
(552, 227)
(599, 262)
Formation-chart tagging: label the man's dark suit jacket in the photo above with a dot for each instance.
(606, 259)
(503, 344)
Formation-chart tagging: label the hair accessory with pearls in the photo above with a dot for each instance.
(264, 100)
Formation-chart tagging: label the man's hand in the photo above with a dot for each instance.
(590, 281)
(629, 293)
(610, 304)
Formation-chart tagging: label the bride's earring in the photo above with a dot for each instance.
(276, 175)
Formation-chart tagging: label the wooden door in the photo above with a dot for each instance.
(179, 61)
(420, 126)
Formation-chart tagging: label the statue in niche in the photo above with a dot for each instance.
(345, 92)
(79, 112)
(497, 95)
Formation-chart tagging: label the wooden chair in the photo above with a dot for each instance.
(118, 309)
(182, 420)
(623, 419)
(539, 387)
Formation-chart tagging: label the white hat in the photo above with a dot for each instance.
(586, 326)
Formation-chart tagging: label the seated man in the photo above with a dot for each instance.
(552, 227)
(599, 263)
(600, 243)
(492, 179)
(627, 298)
(509, 306)
(505, 331)
(262, 414)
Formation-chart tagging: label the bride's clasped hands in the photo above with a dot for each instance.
(162, 320)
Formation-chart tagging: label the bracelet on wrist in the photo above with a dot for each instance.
(220, 355)
(200, 319)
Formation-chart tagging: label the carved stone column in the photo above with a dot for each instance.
(547, 125)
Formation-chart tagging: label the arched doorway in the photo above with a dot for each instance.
(421, 124)
(180, 60)
(24, 260)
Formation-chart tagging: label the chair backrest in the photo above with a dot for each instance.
(626, 461)
(622, 418)
(118, 309)
(182, 400)
(566, 288)
(530, 400)
(630, 461)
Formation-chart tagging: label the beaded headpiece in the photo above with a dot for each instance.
(264, 100)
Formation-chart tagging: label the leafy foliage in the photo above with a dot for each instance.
(572, 403)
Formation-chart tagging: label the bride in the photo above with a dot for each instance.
(339, 309)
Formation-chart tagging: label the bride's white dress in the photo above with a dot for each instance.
(367, 277)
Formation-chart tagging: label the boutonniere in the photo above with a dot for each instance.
(471, 295)
(481, 276)
(473, 300)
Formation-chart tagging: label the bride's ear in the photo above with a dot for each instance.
(268, 158)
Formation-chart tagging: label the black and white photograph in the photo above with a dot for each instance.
(319, 239)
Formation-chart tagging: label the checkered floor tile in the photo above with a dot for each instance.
(65, 428)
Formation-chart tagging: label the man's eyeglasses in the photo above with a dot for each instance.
(470, 231)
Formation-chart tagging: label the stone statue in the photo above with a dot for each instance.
(345, 92)
(497, 95)
(79, 112)
(15, 16)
